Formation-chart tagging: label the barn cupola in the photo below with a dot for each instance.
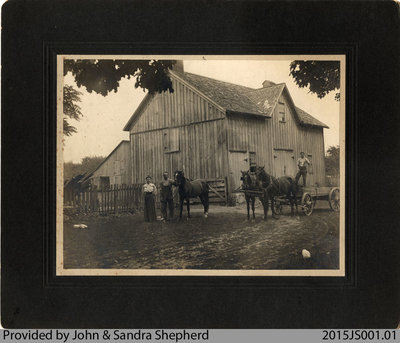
(268, 83)
(178, 66)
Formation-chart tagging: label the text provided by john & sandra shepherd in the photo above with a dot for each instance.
(66, 336)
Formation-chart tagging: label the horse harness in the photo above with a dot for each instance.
(274, 182)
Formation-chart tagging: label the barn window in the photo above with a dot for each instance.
(282, 112)
(171, 140)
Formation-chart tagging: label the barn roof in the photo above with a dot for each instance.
(266, 98)
(236, 98)
(230, 96)
(308, 119)
(242, 99)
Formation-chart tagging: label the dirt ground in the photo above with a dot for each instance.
(224, 240)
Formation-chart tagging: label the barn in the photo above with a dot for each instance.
(214, 129)
(115, 169)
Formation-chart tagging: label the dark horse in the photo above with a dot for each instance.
(191, 189)
(281, 186)
(251, 184)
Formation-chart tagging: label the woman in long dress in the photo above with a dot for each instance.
(149, 191)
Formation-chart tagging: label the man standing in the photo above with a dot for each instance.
(166, 197)
(302, 164)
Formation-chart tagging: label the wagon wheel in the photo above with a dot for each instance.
(334, 199)
(307, 204)
(277, 207)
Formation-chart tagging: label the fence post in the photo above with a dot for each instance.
(139, 198)
(112, 200)
(136, 201)
(90, 198)
(116, 198)
(86, 201)
(83, 201)
(76, 202)
(226, 190)
(101, 207)
(109, 205)
(127, 198)
(107, 197)
(131, 199)
(96, 199)
(79, 202)
(134, 198)
(122, 199)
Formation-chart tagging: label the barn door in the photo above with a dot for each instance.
(237, 161)
(285, 164)
(171, 150)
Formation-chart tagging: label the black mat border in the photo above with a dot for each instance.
(31, 296)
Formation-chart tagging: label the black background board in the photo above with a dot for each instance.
(33, 31)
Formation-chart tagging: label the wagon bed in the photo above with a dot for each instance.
(307, 196)
(319, 192)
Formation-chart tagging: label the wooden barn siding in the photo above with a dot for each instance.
(290, 135)
(108, 168)
(202, 152)
(313, 143)
(283, 132)
(181, 107)
(249, 134)
(246, 133)
(202, 137)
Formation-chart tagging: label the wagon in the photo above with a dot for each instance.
(307, 198)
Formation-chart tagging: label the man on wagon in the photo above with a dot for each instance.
(166, 197)
(302, 164)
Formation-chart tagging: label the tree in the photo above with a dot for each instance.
(321, 77)
(71, 110)
(103, 76)
(332, 161)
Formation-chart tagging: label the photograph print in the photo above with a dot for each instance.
(201, 165)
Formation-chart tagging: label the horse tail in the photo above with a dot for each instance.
(206, 189)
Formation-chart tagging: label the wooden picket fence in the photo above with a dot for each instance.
(129, 198)
(111, 200)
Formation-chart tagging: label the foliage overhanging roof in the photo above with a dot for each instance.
(238, 99)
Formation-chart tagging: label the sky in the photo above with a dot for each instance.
(101, 127)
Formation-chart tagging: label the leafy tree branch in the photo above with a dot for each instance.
(71, 109)
(321, 77)
(103, 76)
